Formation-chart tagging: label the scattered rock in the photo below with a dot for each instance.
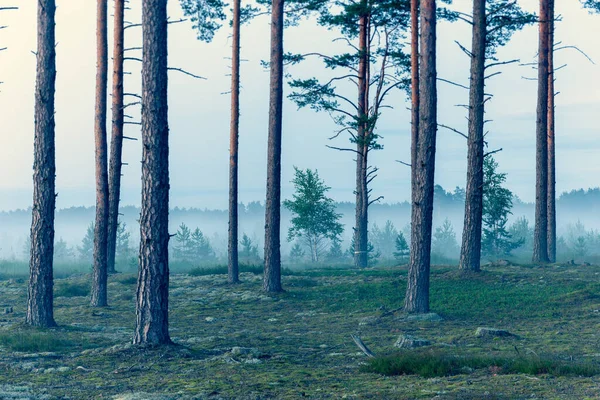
(501, 263)
(143, 396)
(424, 317)
(492, 332)
(209, 319)
(411, 342)
(250, 352)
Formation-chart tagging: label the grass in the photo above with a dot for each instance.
(30, 341)
(435, 363)
(67, 289)
(304, 332)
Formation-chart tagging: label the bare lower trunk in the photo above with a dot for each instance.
(99, 280)
(361, 230)
(470, 251)
(417, 290)
(152, 302)
(40, 295)
(116, 143)
(540, 239)
(272, 274)
(551, 142)
(414, 86)
(233, 270)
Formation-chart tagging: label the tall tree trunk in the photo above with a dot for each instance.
(233, 270)
(414, 86)
(152, 303)
(99, 280)
(361, 230)
(417, 290)
(272, 274)
(540, 239)
(116, 142)
(40, 295)
(551, 143)
(470, 251)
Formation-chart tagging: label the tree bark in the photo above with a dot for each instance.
(414, 86)
(361, 230)
(233, 270)
(551, 142)
(470, 252)
(40, 291)
(417, 291)
(99, 280)
(272, 274)
(152, 302)
(116, 142)
(540, 240)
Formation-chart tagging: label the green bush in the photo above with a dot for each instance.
(33, 342)
(438, 364)
(71, 290)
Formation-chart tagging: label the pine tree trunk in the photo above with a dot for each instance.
(152, 302)
(40, 292)
(361, 230)
(233, 270)
(551, 143)
(540, 239)
(99, 280)
(116, 142)
(470, 251)
(272, 274)
(414, 86)
(417, 291)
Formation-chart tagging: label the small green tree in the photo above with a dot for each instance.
(384, 239)
(249, 251)
(86, 250)
(444, 240)
(335, 253)
(183, 247)
(497, 205)
(125, 254)
(62, 252)
(402, 250)
(521, 231)
(200, 248)
(297, 253)
(314, 220)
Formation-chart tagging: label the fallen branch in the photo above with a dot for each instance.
(362, 346)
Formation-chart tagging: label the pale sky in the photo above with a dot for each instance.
(199, 111)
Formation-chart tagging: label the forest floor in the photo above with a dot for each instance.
(235, 342)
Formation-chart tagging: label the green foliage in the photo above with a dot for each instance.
(384, 239)
(297, 253)
(30, 341)
(522, 232)
(435, 363)
(389, 65)
(336, 253)
(402, 249)
(444, 240)
(124, 253)
(497, 205)
(192, 246)
(249, 251)
(62, 252)
(66, 289)
(86, 250)
(503, 20)
(314, 220)
(592, 5)
(222, 270)
(206, 16)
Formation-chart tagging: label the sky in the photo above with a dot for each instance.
(199, 111)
